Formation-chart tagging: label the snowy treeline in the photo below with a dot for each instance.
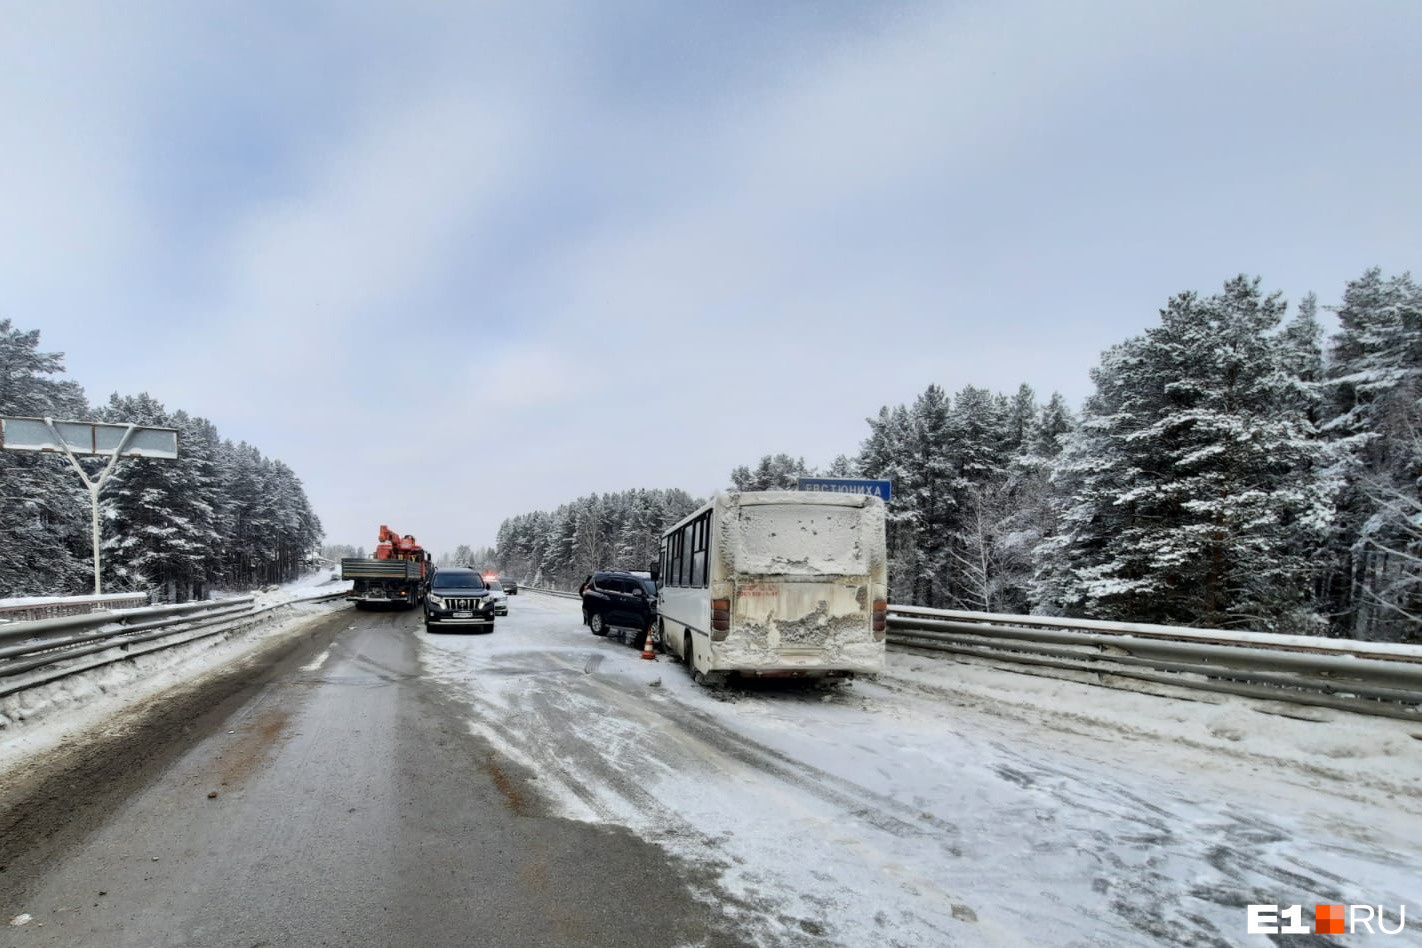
(1227, 471)
(221, 515)
(608, 531)
(482, 557)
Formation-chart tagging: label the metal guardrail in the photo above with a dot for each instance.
(63, 641)
(1369, 677)
(550, 592)
(69, 606)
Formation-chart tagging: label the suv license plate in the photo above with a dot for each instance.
(464, 615)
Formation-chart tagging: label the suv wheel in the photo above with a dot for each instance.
(595, 622)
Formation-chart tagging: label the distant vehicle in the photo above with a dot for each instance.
(509, 585)
(500, 596)
(459, 596)
(776, 583)
(397, 573)
(621, 600)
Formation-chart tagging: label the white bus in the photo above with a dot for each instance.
(776, 583)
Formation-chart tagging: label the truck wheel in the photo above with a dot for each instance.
(596, 623)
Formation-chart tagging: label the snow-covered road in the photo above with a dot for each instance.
(950, 802)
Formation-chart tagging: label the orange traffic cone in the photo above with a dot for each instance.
(647, 651)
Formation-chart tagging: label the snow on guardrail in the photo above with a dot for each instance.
(30, 608)
(1368, 677)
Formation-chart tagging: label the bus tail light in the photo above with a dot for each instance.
(720, 619)
(881, 618)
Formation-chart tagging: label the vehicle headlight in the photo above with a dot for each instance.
(435, 601)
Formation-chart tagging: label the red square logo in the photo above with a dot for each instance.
(1328, 919)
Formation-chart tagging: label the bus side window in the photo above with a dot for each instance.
(679, 570)
(674, 559)
(698, 552)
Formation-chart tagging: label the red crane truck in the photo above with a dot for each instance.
(396, 574)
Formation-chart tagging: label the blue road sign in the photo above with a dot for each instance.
(848, 485)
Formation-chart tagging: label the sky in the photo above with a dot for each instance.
(456, 262)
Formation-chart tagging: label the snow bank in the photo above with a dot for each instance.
(36, 719)
(1352, 756)
(308, 584)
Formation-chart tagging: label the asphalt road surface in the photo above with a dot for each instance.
(345, 803)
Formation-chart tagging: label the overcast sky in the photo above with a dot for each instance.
(455, 266)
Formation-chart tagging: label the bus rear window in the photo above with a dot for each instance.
(800, 538)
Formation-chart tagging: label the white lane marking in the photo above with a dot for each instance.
(317, 662)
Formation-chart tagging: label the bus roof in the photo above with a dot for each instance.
(778, 498)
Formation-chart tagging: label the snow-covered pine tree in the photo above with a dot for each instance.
(1008, 516)
(1193, 476)
(886, 454)
(1056, 421)
(195, 559)
(1020, 420)
(1032, 517)
(1374, 383)
(200, 452)
(149, 538)
(932, 470)
(44, 509)
(774, 472)
(982, 501)
(298, 529)
(557, 563)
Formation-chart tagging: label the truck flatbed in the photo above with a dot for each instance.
(354, 568)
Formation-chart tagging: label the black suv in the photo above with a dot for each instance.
(623, 600)
(458, 596)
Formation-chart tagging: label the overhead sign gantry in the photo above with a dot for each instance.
(87, 438)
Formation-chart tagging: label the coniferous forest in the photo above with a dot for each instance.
(222, 516)
(1232, 468)
(617, 530)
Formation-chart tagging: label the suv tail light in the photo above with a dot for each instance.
(881, 618)
(720, 619)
